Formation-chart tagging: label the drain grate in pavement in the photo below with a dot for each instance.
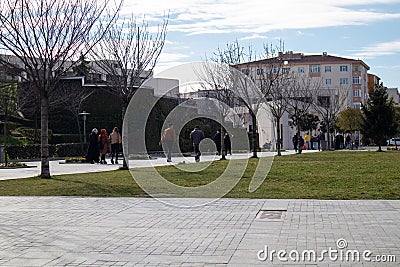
(271, 214)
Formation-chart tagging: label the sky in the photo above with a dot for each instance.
(368, 30)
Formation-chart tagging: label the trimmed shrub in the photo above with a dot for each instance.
(33, 151)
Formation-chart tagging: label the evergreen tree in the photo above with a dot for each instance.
(379, 117)
(83, 68)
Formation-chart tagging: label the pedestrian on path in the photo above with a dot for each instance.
(217, 140)
(103, 145)
(295, 141)
(227, 144)
(168, 139)
(307, 139)
(116, 141)
(93, 154)
(195, 138)
(301, 144)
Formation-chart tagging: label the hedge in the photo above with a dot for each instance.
(33, 151)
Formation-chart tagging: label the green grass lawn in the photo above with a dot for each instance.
(325, 175)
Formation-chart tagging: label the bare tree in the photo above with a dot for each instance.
(46, 36)
(128, 55)
(276, 87)
(329, 103)
(300, 97)
(74, 96)
(246, 92)
(273, 76)
(216, 79)
(7, 108)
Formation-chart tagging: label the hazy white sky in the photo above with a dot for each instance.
(360, 29)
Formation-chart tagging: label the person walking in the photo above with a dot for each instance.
(227, 144)
(217, 140)
(321, 138)
(115, 140)
(168, 138)
(195, 138)
(348, 141)
(103, 145)
(295, 141)
(301, 144)
(93, 154)
(307, 139)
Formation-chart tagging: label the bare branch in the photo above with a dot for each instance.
(46, 36)
(128, 55)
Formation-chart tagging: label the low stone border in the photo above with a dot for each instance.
(16, 167)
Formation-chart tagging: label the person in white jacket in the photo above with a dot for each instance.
(115, 140)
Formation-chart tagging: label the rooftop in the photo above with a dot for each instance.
(301, 58)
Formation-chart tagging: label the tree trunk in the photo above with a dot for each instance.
(222, 144)
(328, 135)
(79, 131)
(125, 163)
(379, 148)
(254, 118)
(278, 136)
(299, 147)
(44, 136)
(35, 133)
(5, 138)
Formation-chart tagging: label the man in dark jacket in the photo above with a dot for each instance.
(195, 137)
(217, 140)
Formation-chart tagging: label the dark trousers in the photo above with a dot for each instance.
(168, 148)
(219, 148)
(197, 151)
(114, 151)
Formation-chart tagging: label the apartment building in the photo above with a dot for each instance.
(332, 72)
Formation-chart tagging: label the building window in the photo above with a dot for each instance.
(245, 71)
(314, 68)
(357, 80)
(357, 105)
(344, 81)
(343, 68)
(300, 69)
(260, 71)
(328, 69)
(357, 93)
(274, 71)
(356, 68)
(285, 70)
(328, 81)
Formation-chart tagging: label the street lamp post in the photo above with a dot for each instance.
(84, 114)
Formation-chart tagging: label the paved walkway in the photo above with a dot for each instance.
(68, 231)
(74, 231)
(57, 168)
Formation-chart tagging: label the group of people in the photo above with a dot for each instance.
(347, 142)
(308, 142)
(99, 146)
(168, 138)
(226, 140)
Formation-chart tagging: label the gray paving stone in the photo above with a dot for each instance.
(64, 231)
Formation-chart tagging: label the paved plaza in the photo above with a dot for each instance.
(69, 231)
(84, 231)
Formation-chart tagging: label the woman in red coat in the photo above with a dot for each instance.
(103, 145)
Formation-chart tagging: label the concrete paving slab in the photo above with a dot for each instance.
(73, 231)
